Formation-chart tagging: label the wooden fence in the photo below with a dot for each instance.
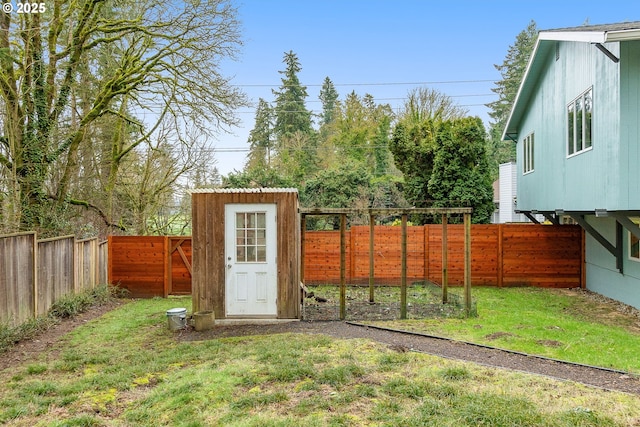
(501, 255)
(149, 266)
(36, 273)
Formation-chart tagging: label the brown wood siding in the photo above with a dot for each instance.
(501, 255)
(209, 265)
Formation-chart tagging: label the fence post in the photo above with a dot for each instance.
(371, 256)
(76, 266)
(95, 255)
(110, 260)
(425, 253)
(303, 236)
(445, 261)
(352, 254)
(403, 276)
(500, 255)
(583, 266)
(35, 275)
(167, 267)
(343, 266)
(467, 263)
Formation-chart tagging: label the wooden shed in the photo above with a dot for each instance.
(246, 253)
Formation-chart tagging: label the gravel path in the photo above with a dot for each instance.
(596, 377)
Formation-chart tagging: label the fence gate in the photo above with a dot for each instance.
(179, 276)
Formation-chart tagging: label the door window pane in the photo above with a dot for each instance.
(240, 254)
(239, 220)
(251, 233)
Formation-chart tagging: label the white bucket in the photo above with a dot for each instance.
(177, 318)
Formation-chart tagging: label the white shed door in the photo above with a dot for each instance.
(250, 253)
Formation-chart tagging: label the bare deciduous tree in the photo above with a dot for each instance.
(149, 59)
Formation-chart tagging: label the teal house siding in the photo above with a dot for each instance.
(598, 187)
(630, 123)
(601, 272)
(580, 181)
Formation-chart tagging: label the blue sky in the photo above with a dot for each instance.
(386, 48)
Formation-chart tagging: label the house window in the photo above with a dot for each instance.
(634, 243)
(528, 153)
(579, 123)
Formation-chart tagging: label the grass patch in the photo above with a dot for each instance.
(68, 306)
(560, 324)
(127, 368)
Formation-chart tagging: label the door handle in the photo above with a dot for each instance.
(228, 265)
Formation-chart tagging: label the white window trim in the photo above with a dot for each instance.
(566, 145)
(629, 236)
(525, 147)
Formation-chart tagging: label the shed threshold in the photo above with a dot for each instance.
(252, 321)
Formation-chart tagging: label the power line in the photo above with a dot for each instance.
(373, 84)
(252, 111)
(320, 111)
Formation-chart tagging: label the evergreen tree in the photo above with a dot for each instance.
(296, 140)
(461, 175)
(260, 137)
(291, 113)
(512, 71)
(329, 97)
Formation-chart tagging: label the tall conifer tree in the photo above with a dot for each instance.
(296, 139)
(329, 97)
(260, 137)
(291, 113)
(512, 70)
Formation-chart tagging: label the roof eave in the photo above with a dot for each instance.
(574, 36)
(591, 36)
(622, 35)
(515, 114)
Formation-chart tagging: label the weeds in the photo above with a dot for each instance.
(72, 305)
(65, 307)
(9, 335)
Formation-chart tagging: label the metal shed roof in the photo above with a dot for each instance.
(242, 190)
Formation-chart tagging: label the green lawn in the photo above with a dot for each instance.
(128, 369)
(560, 324)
